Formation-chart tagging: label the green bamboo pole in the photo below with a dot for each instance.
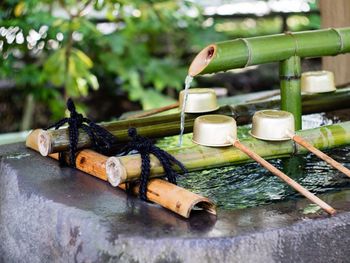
(290, 73)
(287, 48)
(159, 126)
(196, 157)
(240, 53)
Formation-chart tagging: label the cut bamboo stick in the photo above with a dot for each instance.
(160, 126)
(313, 198)
(170, 196)
(126, 168)
(153, 111)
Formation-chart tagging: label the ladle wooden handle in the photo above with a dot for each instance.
(285, 178)
(321, 155)
(154, 111)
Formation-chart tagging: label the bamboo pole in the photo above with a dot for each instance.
(313, 198)
(290, 73)
(159, 126)
(240, 53)
(170, 196)
(196, 157)
(153, 111)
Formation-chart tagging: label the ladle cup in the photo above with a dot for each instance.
(275, 125)
(220, 130)
(198, 100)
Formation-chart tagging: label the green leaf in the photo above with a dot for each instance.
(83, 57)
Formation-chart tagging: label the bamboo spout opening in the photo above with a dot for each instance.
(44, 143)
(202, 60)
(202, 204)
(115, 171)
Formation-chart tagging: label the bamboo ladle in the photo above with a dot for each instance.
(199, 100)
(275, 125)
(220, 130)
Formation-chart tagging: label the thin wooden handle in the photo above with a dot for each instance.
(154, 111)
(285, 178)
(321, 155)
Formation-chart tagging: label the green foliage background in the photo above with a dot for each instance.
(56, 49)
(69, 48)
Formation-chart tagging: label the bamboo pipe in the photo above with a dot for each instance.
(290, 74)
(330, 210)
(244, 52)
(299, 140)
(153, 111)
(170, 196)
(196, 157)
(160, 126)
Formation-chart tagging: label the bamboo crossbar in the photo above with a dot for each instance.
(170, 196)
(244, 52)
(127, 168)
(52, 141)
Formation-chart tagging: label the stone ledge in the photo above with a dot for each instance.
(52, 214)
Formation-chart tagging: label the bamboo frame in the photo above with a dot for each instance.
(286, 48)
(127, 168)
(170, 196)
(240, 53)
(159, 126)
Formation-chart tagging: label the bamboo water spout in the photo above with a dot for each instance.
(285, 48)
(244, 52)
(157, 126)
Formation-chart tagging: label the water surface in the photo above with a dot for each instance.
(248, 185)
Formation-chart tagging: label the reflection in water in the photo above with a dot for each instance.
(249, 185)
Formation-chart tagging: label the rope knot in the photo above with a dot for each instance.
(145, 147)
(101, 139)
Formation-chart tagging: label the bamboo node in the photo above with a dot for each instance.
(115, 171)
(341, 38)
(250, 52)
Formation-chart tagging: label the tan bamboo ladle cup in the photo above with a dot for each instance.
(198, 100)
(220, 130)
(275, 125)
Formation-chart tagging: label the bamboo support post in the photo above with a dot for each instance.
(170, 196)
(290, 73)
(159, 126)
(299, 140)
(196, 157)
(330, 210)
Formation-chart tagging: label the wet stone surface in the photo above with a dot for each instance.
(48, 213)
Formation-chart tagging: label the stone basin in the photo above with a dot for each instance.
(53, 214)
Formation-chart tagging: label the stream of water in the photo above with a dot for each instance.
(188, 82)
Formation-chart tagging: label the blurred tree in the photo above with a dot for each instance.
(66, 48)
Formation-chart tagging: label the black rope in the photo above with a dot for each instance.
(101, 139)
(145, 147)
